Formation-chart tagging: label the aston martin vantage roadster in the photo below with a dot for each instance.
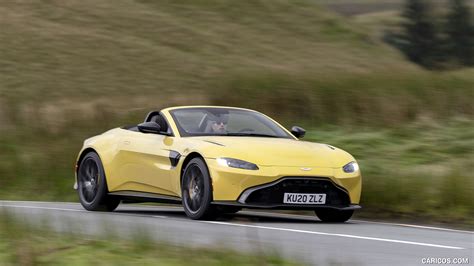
(216, 160)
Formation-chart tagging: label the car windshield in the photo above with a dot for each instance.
(225, 122)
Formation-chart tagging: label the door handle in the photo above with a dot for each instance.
(126, 142)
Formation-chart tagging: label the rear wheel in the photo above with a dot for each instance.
(333, 215)
(196, 191)
(92, 186)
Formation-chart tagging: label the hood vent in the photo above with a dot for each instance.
(215, 143)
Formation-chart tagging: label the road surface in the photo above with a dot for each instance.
(298, 237)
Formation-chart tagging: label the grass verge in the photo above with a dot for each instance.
(23, 244)
(418, 173)
(71, 70)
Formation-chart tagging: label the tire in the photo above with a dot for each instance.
(92, 185)
(196, 191)
(333, 215)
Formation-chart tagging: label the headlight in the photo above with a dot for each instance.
(236, 163)
(351, 167)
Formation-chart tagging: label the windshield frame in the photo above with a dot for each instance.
(184, 133)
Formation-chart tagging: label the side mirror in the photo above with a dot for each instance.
(149, 127)
(298, 132)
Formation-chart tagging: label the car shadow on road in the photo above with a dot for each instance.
(243, 216)
(150, 213)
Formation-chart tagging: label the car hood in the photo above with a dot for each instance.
(276, 151)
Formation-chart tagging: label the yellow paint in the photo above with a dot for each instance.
(139, 162)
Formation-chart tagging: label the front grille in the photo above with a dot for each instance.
(273, 195)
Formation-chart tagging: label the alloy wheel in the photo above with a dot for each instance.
(89, 179)
(194, 188)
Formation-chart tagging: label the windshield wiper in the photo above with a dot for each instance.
(249, 135)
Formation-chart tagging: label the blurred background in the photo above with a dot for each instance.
(390, 81)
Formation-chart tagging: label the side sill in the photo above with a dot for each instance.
(130, 196)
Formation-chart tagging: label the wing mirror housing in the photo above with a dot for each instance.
(298, 132)
(149, 127)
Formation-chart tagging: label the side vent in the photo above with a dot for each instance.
(174, 158)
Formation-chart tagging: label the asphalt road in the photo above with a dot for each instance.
(303, 238)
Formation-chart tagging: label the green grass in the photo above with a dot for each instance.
(87, 49)
(369, 7)
(376, 99)
(71, 70)
(82, 59)
(24, 244)
(420, 172)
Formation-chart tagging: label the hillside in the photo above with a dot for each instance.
(79, 49)
(72, 69)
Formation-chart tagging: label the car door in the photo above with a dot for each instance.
(145, 164)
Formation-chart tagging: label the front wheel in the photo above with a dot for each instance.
(333, 215)
(196, 191)
(92, 186)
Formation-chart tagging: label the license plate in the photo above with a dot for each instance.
(300, 198)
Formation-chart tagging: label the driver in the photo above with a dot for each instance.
(219, 125)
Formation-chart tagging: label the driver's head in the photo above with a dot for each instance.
(219, 125)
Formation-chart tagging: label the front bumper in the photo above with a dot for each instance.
(236, 186)
(270, 195)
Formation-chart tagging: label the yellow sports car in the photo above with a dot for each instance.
(215, 160)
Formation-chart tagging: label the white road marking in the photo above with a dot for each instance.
(417, 226)
(248, 212)
(332, 234)
(298, 216)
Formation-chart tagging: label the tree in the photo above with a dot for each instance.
(420, 36)
(460, 33)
